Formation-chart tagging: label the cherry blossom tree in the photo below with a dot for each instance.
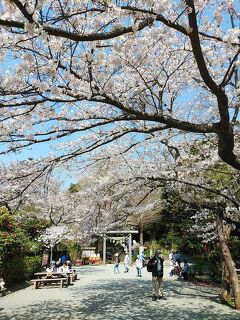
(121, 187)
(85, 76)
(87, 73)
(204, 183)
(147, 217)
(23, 183)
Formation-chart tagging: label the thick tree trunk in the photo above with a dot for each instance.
(230, 265)
(225, 294)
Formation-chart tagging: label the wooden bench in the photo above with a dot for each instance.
(74, 275)
(71, 277)
(37, 282)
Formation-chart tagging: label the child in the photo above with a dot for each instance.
(139, 266)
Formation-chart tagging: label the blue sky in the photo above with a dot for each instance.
(38, 150)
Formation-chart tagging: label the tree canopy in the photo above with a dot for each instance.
(86, 73)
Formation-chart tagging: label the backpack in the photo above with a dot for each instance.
(150, 266)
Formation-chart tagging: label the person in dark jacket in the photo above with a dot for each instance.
(156, 265)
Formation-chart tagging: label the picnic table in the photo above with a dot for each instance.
(53, 278)
(61, 281)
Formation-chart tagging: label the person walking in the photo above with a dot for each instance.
(155, 265)
(171, 256)
(126, 262)
(139, 266)
(116, 263)
(142, 257)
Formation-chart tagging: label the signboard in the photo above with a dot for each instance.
(88, 252)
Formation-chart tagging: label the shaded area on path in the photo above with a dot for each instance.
(101, 295)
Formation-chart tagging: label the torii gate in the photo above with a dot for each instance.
(119, 232)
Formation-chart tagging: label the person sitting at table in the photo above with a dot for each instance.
(64, 268)
(185, 270)
(50, 273)
(69, 264)
(53, 266)
(48, 268)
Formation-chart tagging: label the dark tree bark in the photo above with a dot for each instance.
(141, 234)
(232, 276)
(225, 294)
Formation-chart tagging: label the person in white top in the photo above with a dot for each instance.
(126, 262)
(139, 266)
(170, 256)
(116, 264)
(48, 269)
(64, 268)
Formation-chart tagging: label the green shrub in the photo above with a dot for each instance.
(20, 268)
(153, 246)
(12, 245)
(198, 264)
(74, 250)
(31, 265)
(15, 245)
(203, 265)
(13, 270)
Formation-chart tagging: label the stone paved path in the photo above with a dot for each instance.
(101, 295)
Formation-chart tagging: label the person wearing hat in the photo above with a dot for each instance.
(156, 266)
